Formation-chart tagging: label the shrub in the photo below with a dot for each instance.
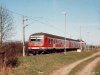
(12, 51)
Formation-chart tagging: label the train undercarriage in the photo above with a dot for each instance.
(47, 51)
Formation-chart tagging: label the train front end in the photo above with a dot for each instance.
(35, 43)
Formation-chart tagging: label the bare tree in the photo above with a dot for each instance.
(6, 24)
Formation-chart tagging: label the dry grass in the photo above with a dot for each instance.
(9, 53)
(97, 69)
(79, 67)
(45, 64)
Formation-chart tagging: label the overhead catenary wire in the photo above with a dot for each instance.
(50, 25)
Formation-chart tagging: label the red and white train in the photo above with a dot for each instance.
(44, 42)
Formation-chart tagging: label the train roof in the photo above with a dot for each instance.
(54, 36)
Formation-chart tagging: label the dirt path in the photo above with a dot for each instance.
(65, 70)
(88, 70)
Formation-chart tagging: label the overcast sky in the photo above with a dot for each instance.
(49, 18)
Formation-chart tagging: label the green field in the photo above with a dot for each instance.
(45, 64)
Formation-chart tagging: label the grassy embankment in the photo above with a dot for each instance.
(97, 69)
(79, 67)
(45, 64)
(83, 64)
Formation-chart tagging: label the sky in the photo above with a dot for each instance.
(82, 18)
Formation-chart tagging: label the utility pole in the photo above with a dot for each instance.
(1, 28)
(88, 34)
(80, 34)
(1, 31)
(23, 31)
(65, 34)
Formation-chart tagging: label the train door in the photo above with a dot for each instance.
(54, 43)
(69, 46)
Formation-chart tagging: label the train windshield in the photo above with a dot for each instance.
(36, 39)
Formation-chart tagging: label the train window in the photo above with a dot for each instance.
(32, 39)
(63, 41)
(39, 40)
(59, 41)
(49, 41)
(36, 39)
(54, 41)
